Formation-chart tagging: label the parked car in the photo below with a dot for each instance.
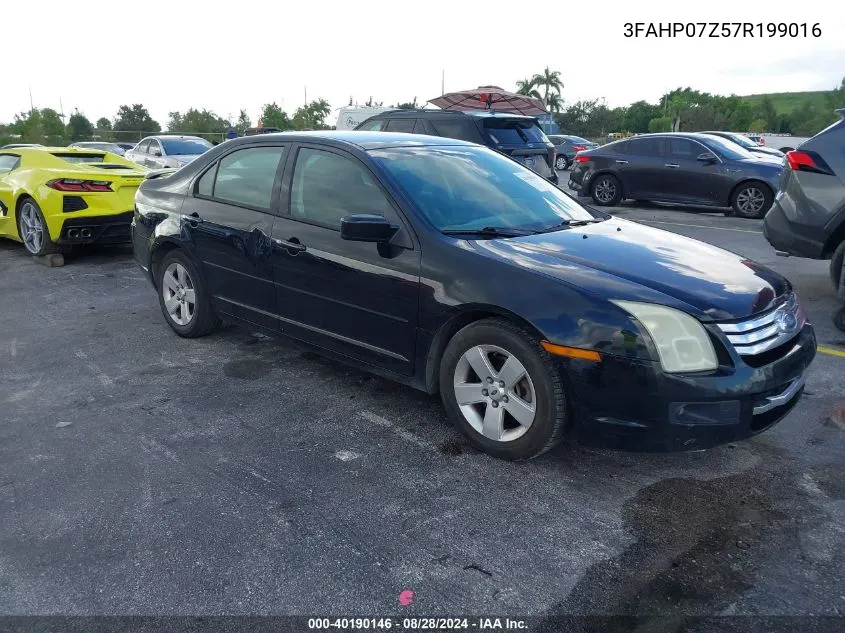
(443, 265)
(125, 146)
(17, 145)
(747, 143)
(56, 196)
(808, 215)
(682, 168)
(114, 148)
(566, 148)
(519, 137)
(261, 130)
(159, 152)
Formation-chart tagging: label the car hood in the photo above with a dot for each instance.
(636, 262)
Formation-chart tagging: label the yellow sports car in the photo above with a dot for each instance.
(55, 196)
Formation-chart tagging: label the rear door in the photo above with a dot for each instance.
(229, 220)
(354, 298)
(402, 124)
(155, 155)
(641, 168)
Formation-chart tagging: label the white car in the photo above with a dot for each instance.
(168, 151)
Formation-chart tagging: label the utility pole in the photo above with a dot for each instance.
(31, 106)
(61, 110)
(442, 81)
(306, 96)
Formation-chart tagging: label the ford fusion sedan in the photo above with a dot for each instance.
(52, 197)
(681, 168)
(167, 151)
(446, 266)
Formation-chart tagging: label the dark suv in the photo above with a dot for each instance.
(808, 215)
(519, 137)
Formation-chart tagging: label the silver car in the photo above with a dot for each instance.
(103, 146)
(168, 151)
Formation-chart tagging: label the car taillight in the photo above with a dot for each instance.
(73, 184)
(582, 159)
(579, 148)
(807, 161)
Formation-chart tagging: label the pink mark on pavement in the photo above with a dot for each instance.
(406, 597)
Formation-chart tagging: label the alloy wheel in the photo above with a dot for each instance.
(179, 294)
(32, 228)
(494, 392)
(605, 190)
(750, 201)
(560, 162)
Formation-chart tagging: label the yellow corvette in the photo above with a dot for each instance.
(56, 196)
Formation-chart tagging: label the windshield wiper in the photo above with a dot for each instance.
(493, 231)
(568, 223)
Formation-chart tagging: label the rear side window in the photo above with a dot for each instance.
(141, 148)
(420, 127)
(8, 162)
(245, 177)
(644, 147)
(401, 125)
(683, 149)
(513, 131)
(462, 129)
(373, 125)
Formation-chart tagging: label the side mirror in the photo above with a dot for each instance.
(366, 228)
(706, 157)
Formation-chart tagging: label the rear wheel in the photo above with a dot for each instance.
(751, 200)
(183, 297)
(502, 390)
(561, 163)
(836, 266)
(606, 190)
(33, 229)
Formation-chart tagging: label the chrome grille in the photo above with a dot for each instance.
(762, 333)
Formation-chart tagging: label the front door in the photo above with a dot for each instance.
(229, 220)
(354, 298)
(689, 179)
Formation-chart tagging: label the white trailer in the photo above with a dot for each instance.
(350, 117)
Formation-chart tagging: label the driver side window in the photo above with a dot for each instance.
(8, 162)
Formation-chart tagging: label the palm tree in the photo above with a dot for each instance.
(554, 102)
(550, 81)
(528, 87)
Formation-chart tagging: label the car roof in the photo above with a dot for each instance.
(363, 140)
(169, 136)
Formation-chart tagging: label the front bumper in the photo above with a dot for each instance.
(100, 229)
(649, 410)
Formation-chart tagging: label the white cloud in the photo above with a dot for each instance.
(177, 54)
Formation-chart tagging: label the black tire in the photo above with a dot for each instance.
(839, 319)
(46, 245)
(550, 408)
(836, 265)
(203, 320)
(751, 188)
(561, 163)
(606, 190)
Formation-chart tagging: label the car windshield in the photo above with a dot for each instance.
(470, 188)
(183, 146)
(506, 131)
(726, 148)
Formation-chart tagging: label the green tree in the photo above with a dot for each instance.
(637, 116)
(243, 123)
(312, 116)
(758, 125)
(103, 124)
(528, 87)
(554, 103)
(135, 119)
(660, 124)
(40, 126)
(79, 128)
(549, 81)
(410, 105)
(273, 116)
(199, 122)
(766, 111)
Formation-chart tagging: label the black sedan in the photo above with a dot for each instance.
(683, 168)
(446, 266)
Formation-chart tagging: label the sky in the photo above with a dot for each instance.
(173, 55)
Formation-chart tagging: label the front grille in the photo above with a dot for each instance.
(764, 333)
(73, 203)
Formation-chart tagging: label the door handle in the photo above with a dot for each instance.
(194, 218)
(621, 162)
(293, 245)
(672, 165)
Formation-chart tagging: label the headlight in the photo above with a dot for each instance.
(682, 342)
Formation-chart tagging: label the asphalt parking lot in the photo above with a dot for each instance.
(141, 473)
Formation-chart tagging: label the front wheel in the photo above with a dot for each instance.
(183, 297)
(606, 190)
(751, 200)
(502, 390)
